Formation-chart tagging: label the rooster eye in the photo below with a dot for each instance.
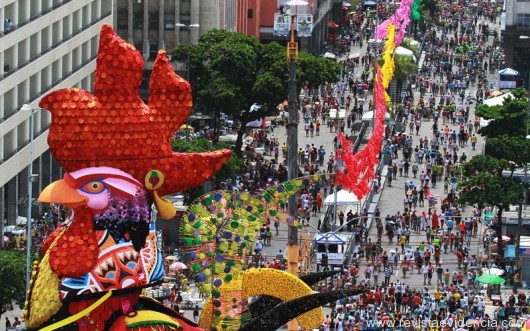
(93, 187)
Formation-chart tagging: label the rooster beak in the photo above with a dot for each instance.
(62, 193)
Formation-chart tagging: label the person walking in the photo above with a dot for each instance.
(196, 314)
(388, 273)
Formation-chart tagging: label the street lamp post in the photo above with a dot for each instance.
(180, 25)
(31, 178)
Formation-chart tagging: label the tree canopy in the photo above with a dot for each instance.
(506, 132)
(489, 180)
(12, 277)
(229, 72)
(507, 118)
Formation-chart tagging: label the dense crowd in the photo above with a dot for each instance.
(460, 49)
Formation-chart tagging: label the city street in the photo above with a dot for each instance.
(391, 198)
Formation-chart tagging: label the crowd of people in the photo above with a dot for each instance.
(460, 50)
(48, 221)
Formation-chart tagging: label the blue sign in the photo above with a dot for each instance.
(509, 251)
(524, 251)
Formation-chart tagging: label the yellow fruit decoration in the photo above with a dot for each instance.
(271, 282)
(45, 301)
(284, 286)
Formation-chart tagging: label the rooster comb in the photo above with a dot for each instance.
(114, 127)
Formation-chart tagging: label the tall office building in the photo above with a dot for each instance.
(151, 25)
(515, 23)
(49, 45)
(256, 18)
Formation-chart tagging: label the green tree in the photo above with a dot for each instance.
(227, 171)
(12, 277)
(404, 66)
(489, 180)
(229, 72)
(507, 117)
(506, 132)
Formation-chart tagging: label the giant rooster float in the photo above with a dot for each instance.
(117, 154)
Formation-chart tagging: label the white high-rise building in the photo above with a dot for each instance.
(45, 45)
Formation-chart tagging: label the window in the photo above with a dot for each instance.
(185, 19)
(250, 13)
(123, 22)
(140, 49)
(169, 21)
(523, 21)
(153, 51)
(153, 21)
(138, 20)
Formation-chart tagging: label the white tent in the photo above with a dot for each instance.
(405, 52)
(369, 116)
(508, 72)
(344, 198)
(497, 100)
(330, 238)
(337, 114)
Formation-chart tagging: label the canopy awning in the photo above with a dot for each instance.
(369, 115)
(508, 72)
(258, 124)
(344, 198)
(497, 100)
(330, 238)
(405, 52)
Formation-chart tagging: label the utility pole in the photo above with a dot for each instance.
(292, 143)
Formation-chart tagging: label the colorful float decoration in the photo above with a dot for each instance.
(116, 150)
(219, 231)
(359, 169)
(117, 153)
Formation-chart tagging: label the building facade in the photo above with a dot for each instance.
(151, 25)
(256, 18)
(50, 44)
(515, 22)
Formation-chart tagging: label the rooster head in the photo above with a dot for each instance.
(113, 127)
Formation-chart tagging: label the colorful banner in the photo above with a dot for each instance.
(359, 169)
